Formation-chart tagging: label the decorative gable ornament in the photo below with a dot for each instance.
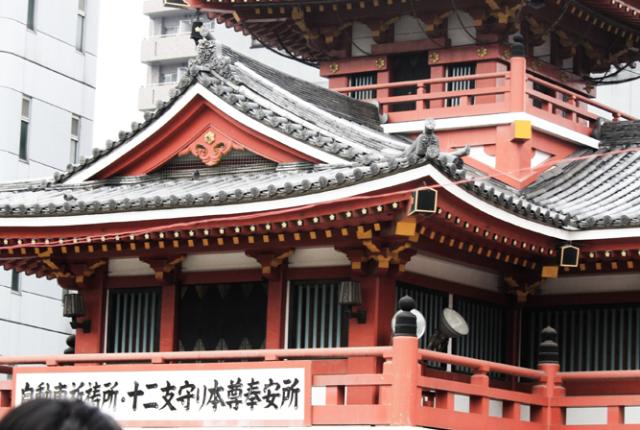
(209, 151)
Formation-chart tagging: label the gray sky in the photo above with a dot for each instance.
(120, 73)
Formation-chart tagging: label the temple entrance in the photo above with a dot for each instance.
(222, 316)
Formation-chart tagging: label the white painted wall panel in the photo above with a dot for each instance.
(447, 270)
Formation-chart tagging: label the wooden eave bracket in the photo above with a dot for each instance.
(522, 288)
(373, 256)
(271, 261)
(73, 275)
(164, 268)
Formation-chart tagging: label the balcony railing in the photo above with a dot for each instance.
(389, 386)
(514, 90)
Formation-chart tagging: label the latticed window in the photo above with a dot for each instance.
(590, 337)
(133, 320)
(360, 80)
(459, 69)
(486, 338)
(316, 320)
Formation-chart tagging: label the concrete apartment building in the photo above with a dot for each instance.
(169, 47)
(47, 87)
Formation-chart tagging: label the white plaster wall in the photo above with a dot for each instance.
(625, 97)
(318, 257)
(450, 271)
(592, 284)
(362, 40)
(44, 65)
(31, 322)
(460, 29)
(408, 28)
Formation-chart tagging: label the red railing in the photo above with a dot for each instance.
(500, 92)
(394, 386)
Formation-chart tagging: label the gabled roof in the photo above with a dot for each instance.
(316, 118)
(155, 192)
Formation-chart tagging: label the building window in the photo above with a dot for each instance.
(75, 139)
(222, 316)
(24, 127)
(316, 320)
(15, 282)
(133, 321)
(80, 26)
(362, 79)
(31, 14)
(455, 70)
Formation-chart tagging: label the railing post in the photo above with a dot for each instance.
(480, 404)
(550, 385)
(405, 395)
(518, 76)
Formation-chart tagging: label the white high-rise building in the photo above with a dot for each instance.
(47, 87)
(169, 46)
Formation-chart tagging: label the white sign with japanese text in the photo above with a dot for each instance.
(241, 396)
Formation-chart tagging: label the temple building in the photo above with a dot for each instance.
(238, 258)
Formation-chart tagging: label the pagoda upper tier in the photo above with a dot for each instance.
(588, 36)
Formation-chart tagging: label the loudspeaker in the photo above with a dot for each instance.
(569, 256)
(425, 200)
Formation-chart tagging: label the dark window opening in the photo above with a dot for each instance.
(408, 67)
(362, 79)
(24, 139)
(133, 320)
(31, 14)
(316, 320)
(222, 316)
(15, 281)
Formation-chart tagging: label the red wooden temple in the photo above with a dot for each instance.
(237, 259)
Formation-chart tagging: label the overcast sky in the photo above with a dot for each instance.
(120, 73)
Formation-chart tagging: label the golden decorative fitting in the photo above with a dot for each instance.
(434, 57)
(334, 67)
(209, 151)
(380, 63)
(482, 52)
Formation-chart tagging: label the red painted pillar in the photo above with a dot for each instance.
(168, 306)
(276, 292)
(378, 299)
(518, 78)
(94, 301)
(405, 394)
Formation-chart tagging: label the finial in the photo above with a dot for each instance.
(548, 349)
(517, 47)
(405, 320)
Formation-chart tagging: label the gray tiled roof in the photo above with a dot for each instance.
(156, 192)
(599, 189)
(325, 120)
